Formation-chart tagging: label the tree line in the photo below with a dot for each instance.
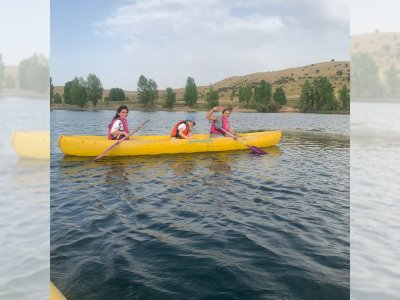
(319, 95)
(80, 91)
(315, 96)
(366, 80)
(33, 75)
(259, 96)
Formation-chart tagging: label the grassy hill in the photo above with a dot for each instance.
(376, 67)
(383, 47)
(290, 80)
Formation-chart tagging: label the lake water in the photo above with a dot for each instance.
(24, 202)
(226, 225)
(375, 208)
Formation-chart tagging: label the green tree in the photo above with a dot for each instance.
(212, 97)
(51, 90)
(94, 89)
(67, 92)
(78, 92)
(364, 75)
(147, 91)
(116, 94)
(190, 95)
(2, 72)
(263, 96)
(245, 94)
(280, 96)
(9, 82)
(324, 94)
(170, 98)
(306, 96)
(57, 98)
(393, 81)
(344, 97)
(34, 73)
(318, 95)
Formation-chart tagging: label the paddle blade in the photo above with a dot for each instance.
(257, 150)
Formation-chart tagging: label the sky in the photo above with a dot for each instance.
(208, 40)
(369, 15)
(24, 29)
(168, 41)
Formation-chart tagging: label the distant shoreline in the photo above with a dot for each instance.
(133, 107)
(375, 100)
(23, 93)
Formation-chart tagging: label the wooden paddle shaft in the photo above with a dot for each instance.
(232, 135)
(119, 141)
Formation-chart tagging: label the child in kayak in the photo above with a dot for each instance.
(118, 127)
(222, 122)
(183, 129)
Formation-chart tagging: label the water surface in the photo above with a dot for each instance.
(375, 209)
(225, 225)
(24, 202)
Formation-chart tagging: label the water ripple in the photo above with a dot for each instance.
(213, 225)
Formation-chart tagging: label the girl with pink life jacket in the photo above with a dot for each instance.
(222, 122)
(118, 127)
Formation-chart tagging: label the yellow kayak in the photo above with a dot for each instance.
(163, 144)
(32, 144)
(55, 293)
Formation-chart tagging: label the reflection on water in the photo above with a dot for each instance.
(119, 169)
(116, 175)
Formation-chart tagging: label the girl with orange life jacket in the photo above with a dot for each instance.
(183, 129)
(222, 122)
(118, 127)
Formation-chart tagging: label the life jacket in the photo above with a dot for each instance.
(175, 131)
(225, 125)
(124, 124)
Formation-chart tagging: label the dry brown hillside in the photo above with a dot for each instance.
(290, 80)
(383, 47)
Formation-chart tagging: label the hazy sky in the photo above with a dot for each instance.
(208, 40)
(170, 40)
(24, 29)
(370, 15)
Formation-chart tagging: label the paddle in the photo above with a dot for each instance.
(119, 141)
(252, 148)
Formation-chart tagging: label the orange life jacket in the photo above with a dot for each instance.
(175, 131)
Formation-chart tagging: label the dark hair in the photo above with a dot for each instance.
(227, 109)
(119, 110)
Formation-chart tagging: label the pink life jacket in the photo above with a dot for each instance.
(225, 126)
(124, 124)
